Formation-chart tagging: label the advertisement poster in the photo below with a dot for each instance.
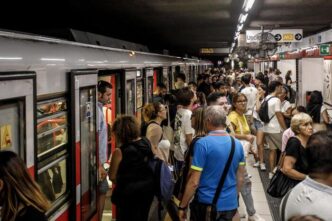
(327, 90)
(6, 136)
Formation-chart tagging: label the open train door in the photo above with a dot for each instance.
(18, 115)
(83, 89)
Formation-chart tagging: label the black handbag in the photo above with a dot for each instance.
(204, 212)
(280, 184)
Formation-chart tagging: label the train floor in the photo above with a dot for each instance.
(266, 206)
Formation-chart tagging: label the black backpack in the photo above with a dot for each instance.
(264, 111)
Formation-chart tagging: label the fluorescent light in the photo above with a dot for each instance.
(243, 18)
(248, 5)
(53, 59)
(11, 58)
(239, 28)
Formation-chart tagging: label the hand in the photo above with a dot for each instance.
(102, 173)
(250, 138)
(182, 215)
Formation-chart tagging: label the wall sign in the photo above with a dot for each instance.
(280, 35)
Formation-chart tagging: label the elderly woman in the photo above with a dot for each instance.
(130, 171)
(295, 164)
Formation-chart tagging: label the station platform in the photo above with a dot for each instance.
(267, 207)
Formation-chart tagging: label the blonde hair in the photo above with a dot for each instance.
(150, 111)
(298, 120)
(19, 188)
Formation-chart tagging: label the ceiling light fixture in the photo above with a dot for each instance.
(243, 18)
(248, 5)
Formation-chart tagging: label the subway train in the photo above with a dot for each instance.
(48, 96)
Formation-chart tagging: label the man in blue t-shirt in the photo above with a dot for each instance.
(210, 156)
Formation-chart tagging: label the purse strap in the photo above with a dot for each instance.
(224, 173)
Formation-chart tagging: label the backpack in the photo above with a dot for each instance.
(163, 181)
(263, 112)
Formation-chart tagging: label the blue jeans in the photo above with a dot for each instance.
(247, 196)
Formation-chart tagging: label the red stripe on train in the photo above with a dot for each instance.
(31, 171)
(64, 216)
(78, 163)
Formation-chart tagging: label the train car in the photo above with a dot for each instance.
(48, 97)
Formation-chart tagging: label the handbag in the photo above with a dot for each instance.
(280, 184)
(204, 212)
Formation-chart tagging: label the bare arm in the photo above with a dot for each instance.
(189, 138)
(325, 116)
(288, 169)
(281, 120)
(191, 187)
(154, 133)
(115, 161)
(248, 137)
(240, 177)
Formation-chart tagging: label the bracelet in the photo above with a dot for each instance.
(182, 208)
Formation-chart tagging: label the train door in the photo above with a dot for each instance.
(139, 95)
(166, 78)
(17, 111)
(148, 85)
(129, 89)
(83, 88)
(113, 108)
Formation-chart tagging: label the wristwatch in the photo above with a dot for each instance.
(106, 166)
(182, 208)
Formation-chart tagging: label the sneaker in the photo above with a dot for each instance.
(262, 166)
(249, 176)
(242, 215)
(270, 175)
(256, 164)
(255, 217)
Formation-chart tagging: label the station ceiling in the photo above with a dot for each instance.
(181, 26)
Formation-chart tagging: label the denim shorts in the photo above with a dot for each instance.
(103, 186)
(258, 124)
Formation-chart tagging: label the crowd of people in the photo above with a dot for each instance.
(215, 126)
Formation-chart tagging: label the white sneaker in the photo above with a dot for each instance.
(255, 217)
(256, 164)
(270, 175)
(262, 166)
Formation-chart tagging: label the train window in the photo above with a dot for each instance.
(52, 153)
(52, 176)
(51, 126)
(88, 152)
(139, 94)
(12, 126)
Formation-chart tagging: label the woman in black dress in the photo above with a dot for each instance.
(20, 196)
(295, 164)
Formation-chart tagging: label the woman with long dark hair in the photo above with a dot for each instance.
(317, 111)
(20, 196)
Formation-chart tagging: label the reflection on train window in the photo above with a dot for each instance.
(51, 107)
(88, 152)
(12, 126)
(52, 181)
(150, 89)
(52, 132)
(130, 88)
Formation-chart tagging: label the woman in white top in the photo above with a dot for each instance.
(318, 111)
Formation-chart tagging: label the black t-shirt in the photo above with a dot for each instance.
(295, 149)
(30, 213)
